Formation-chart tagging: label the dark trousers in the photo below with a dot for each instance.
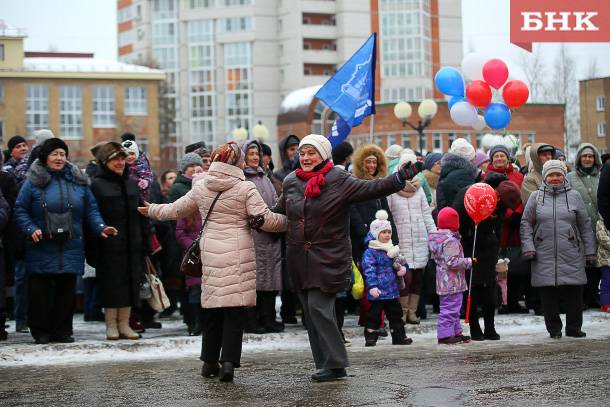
(393, 312)
(223, 330)
(591, 291)
(265, 306)
(51, 304)
(92, 306)
(340, 306)
(483, 296)
(568, 296)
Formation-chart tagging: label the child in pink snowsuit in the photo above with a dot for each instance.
(451, 266)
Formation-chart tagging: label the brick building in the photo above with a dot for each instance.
(593, 112)
(82, 99)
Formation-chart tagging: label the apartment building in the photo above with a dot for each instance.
(593, 112)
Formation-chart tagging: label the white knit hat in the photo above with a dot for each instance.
(554, 166)
(380, 223)
(407, 156)
(131, 147)
(462, 148)
(393, 152)
(320, 143)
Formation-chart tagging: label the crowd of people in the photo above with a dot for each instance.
(300, 232)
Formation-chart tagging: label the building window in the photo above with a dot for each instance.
(103, 106)
(1, 92)
(125, 14)
(391, 139)
(202, 3)
(202, 80)
(135, 101)
(71, 112)
(238, 84)
(437, 142)
(601, 129)
(406, 140)
(531, 138)
(479, 141)
(451, 138)
(232, 3)
(1, 52)
(601, 103)
(36, 107)
(235, 24)
(126, 38)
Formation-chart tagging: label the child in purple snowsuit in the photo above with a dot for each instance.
(379, 264)
(451, 266)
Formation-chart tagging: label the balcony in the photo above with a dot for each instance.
(319, 56)
(319, 6)
(327, 32)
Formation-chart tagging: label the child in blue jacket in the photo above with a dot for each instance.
(382, 265)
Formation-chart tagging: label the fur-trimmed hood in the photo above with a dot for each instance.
(451, 162)
(40, 176)
(368, 150)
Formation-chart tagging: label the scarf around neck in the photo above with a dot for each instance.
(410, 188)
(388, 247)
(315, 179)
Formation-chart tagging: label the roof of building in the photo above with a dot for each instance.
(299, 98)
(79, 64)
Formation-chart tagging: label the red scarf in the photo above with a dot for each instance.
(315, 179)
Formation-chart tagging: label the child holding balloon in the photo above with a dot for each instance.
(451, 266)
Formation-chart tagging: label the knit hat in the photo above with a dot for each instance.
(499, 149)
(380, 223)
(130, 146)
(229, 153)
(558, 153)
(509, 193)
(128, 136)
(546, 148)
(49, 146)
(108, 151)
(480, 158)
(553, 166)
(189, 159)
(587, 150)
(431, 159)
(462, 148)
(192, 147)
(14, 141)
(320, 143)
(393, 152)
(406, 156)
(40, 136)
(448, 218)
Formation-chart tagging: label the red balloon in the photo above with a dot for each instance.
(478, 93)
(515, 93)
(495, 72)
(480, 201)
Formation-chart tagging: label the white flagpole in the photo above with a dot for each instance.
(371, 129)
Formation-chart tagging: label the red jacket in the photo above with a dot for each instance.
(509, 236)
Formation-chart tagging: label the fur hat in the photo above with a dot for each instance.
(49, 146)
(462, 148)
(393, 152)
(380, 223)
(14, 141)
(360, 156)
(509, 193)
(130, 146)
(108, 151)
(500, 148)
(448, 218)
(42, 135)
(553, 166)
(320, 143)
(189, 159)
(431, 159)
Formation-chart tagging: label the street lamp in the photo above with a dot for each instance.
(260, 132)
(426, 110)
(240, 134)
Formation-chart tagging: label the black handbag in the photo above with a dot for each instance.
(191, 265)
(58, 224)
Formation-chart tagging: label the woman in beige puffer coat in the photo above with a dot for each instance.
(227, 253)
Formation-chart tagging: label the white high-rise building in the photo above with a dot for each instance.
(230, 63)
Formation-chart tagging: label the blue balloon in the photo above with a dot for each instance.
(449, 81)
(497, 116)
(454, 100)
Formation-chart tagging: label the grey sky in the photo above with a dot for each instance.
(90, 26)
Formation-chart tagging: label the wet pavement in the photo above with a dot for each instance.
(548, 372)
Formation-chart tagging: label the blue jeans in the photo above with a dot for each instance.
(20, 297)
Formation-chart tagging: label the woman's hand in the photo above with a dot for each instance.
(37, 236)
(256, 222)
(143, 184)
(375, 292)
(144, 209)
(402, 271)
(109, 231)
(529, 255)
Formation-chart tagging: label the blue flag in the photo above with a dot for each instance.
(350, 92)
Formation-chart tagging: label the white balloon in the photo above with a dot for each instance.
(472, 66)
(464, 114)
(480, 123)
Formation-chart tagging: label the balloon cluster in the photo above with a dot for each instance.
(488, 89)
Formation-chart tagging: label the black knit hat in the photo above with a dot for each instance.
(14, 141)
(128, 136)
(49, 146)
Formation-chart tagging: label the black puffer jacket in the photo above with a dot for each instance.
(456, 173)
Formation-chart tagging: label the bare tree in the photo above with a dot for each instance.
(564, 88)
(592, 69)
(535, 72)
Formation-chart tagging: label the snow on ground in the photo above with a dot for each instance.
(171, 341)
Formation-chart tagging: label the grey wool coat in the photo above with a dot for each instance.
(556, 226)
(267, 246)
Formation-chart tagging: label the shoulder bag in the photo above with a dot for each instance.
(58, 224)
(191, 265)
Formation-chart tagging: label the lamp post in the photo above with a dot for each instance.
(426, 110)
(240, 134)
(260, 132)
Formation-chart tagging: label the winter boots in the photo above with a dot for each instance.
(413, 304)
(210, 369)
(404, 304)
(399, 337)
(125, 331)
(227, 370)
(370, 338)
(111, 318)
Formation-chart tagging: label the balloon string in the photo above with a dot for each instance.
(474, 243)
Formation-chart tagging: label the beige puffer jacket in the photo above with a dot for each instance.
(227, 248)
